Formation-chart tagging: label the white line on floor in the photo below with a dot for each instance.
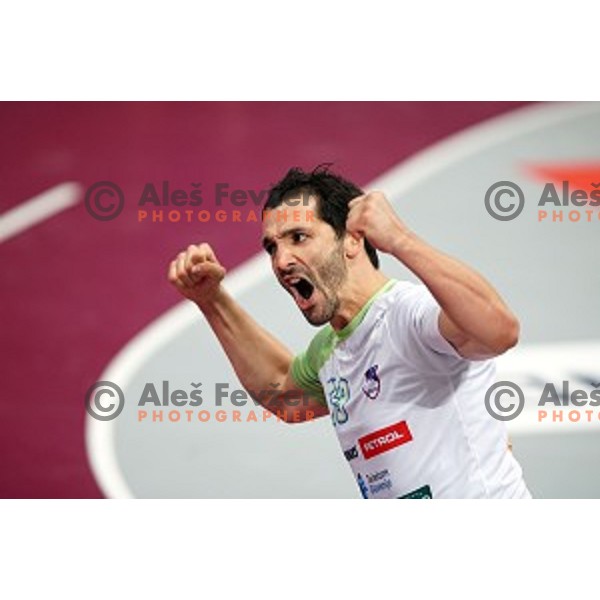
(38, 209)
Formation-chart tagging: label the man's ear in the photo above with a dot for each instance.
(353, 244)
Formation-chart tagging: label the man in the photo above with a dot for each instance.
(402, 368)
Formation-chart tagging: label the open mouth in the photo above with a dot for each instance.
(302, 290)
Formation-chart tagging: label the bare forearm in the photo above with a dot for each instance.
(466, 297)
(474, 318)
(259, 360)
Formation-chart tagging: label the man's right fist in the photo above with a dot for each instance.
(197, 274)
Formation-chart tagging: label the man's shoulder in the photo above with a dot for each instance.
(404, 295)
(404, 286)
(321, 346)
(306, 365)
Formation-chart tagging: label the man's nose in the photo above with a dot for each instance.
(283, 259)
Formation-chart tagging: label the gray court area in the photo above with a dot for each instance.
(548, 273)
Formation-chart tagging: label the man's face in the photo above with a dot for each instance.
(307, 258)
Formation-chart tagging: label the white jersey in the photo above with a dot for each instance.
(407, 408)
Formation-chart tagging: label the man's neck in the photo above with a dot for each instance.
(355, 294)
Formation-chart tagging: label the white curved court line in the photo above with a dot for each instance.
(99, 435)
(38, 209)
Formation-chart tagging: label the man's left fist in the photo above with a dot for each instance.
(373, 217)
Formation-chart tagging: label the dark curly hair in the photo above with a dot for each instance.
(333, 193)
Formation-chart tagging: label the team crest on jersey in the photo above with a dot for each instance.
(338, 393)
(372, 385)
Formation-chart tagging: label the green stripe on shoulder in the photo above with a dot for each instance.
(307, 364)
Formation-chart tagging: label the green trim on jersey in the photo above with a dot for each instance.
(307, 364)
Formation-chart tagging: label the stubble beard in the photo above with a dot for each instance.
(331, 276)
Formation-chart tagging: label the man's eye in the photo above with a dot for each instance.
(299, 236)
(270, 248)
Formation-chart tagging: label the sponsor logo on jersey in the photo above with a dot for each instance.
(422, 493)
(372, 385)
(351, 453)
(385, 439)
(373, 484)
(364, 490)
(338, 392)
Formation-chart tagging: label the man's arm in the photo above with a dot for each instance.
(260, 361)
(474, 319)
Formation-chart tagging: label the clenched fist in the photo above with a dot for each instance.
(373, 217)
(197, 274)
